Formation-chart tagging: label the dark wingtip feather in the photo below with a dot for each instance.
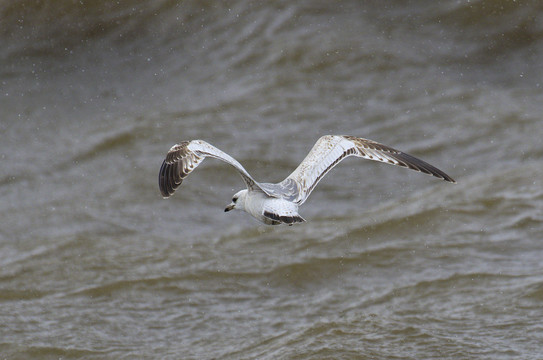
(402, 159)
(167, 181)
(163, 180)
(422, 166)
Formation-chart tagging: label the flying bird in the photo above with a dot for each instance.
(275, 204)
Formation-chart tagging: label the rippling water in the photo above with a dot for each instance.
(391, 264)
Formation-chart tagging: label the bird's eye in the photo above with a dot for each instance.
(234, 199)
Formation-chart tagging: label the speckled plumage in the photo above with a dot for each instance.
(278, 203)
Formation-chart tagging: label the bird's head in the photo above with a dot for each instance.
(238, 201)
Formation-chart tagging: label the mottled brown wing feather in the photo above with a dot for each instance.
(329, 150)
(183, 158)
(179, 163)
(373, 150)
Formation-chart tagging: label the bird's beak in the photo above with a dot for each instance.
(229, 207)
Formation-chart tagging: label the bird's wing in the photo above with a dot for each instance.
(183, 158)
(329, 150)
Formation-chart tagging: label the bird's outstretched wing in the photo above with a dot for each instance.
(329, 150)
(183, 158)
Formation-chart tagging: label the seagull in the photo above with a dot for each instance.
(274, 204)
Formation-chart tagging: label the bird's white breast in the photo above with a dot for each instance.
(257, 203)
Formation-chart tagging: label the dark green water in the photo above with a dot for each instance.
(391, 264)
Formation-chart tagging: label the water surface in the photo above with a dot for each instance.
(391, 264)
